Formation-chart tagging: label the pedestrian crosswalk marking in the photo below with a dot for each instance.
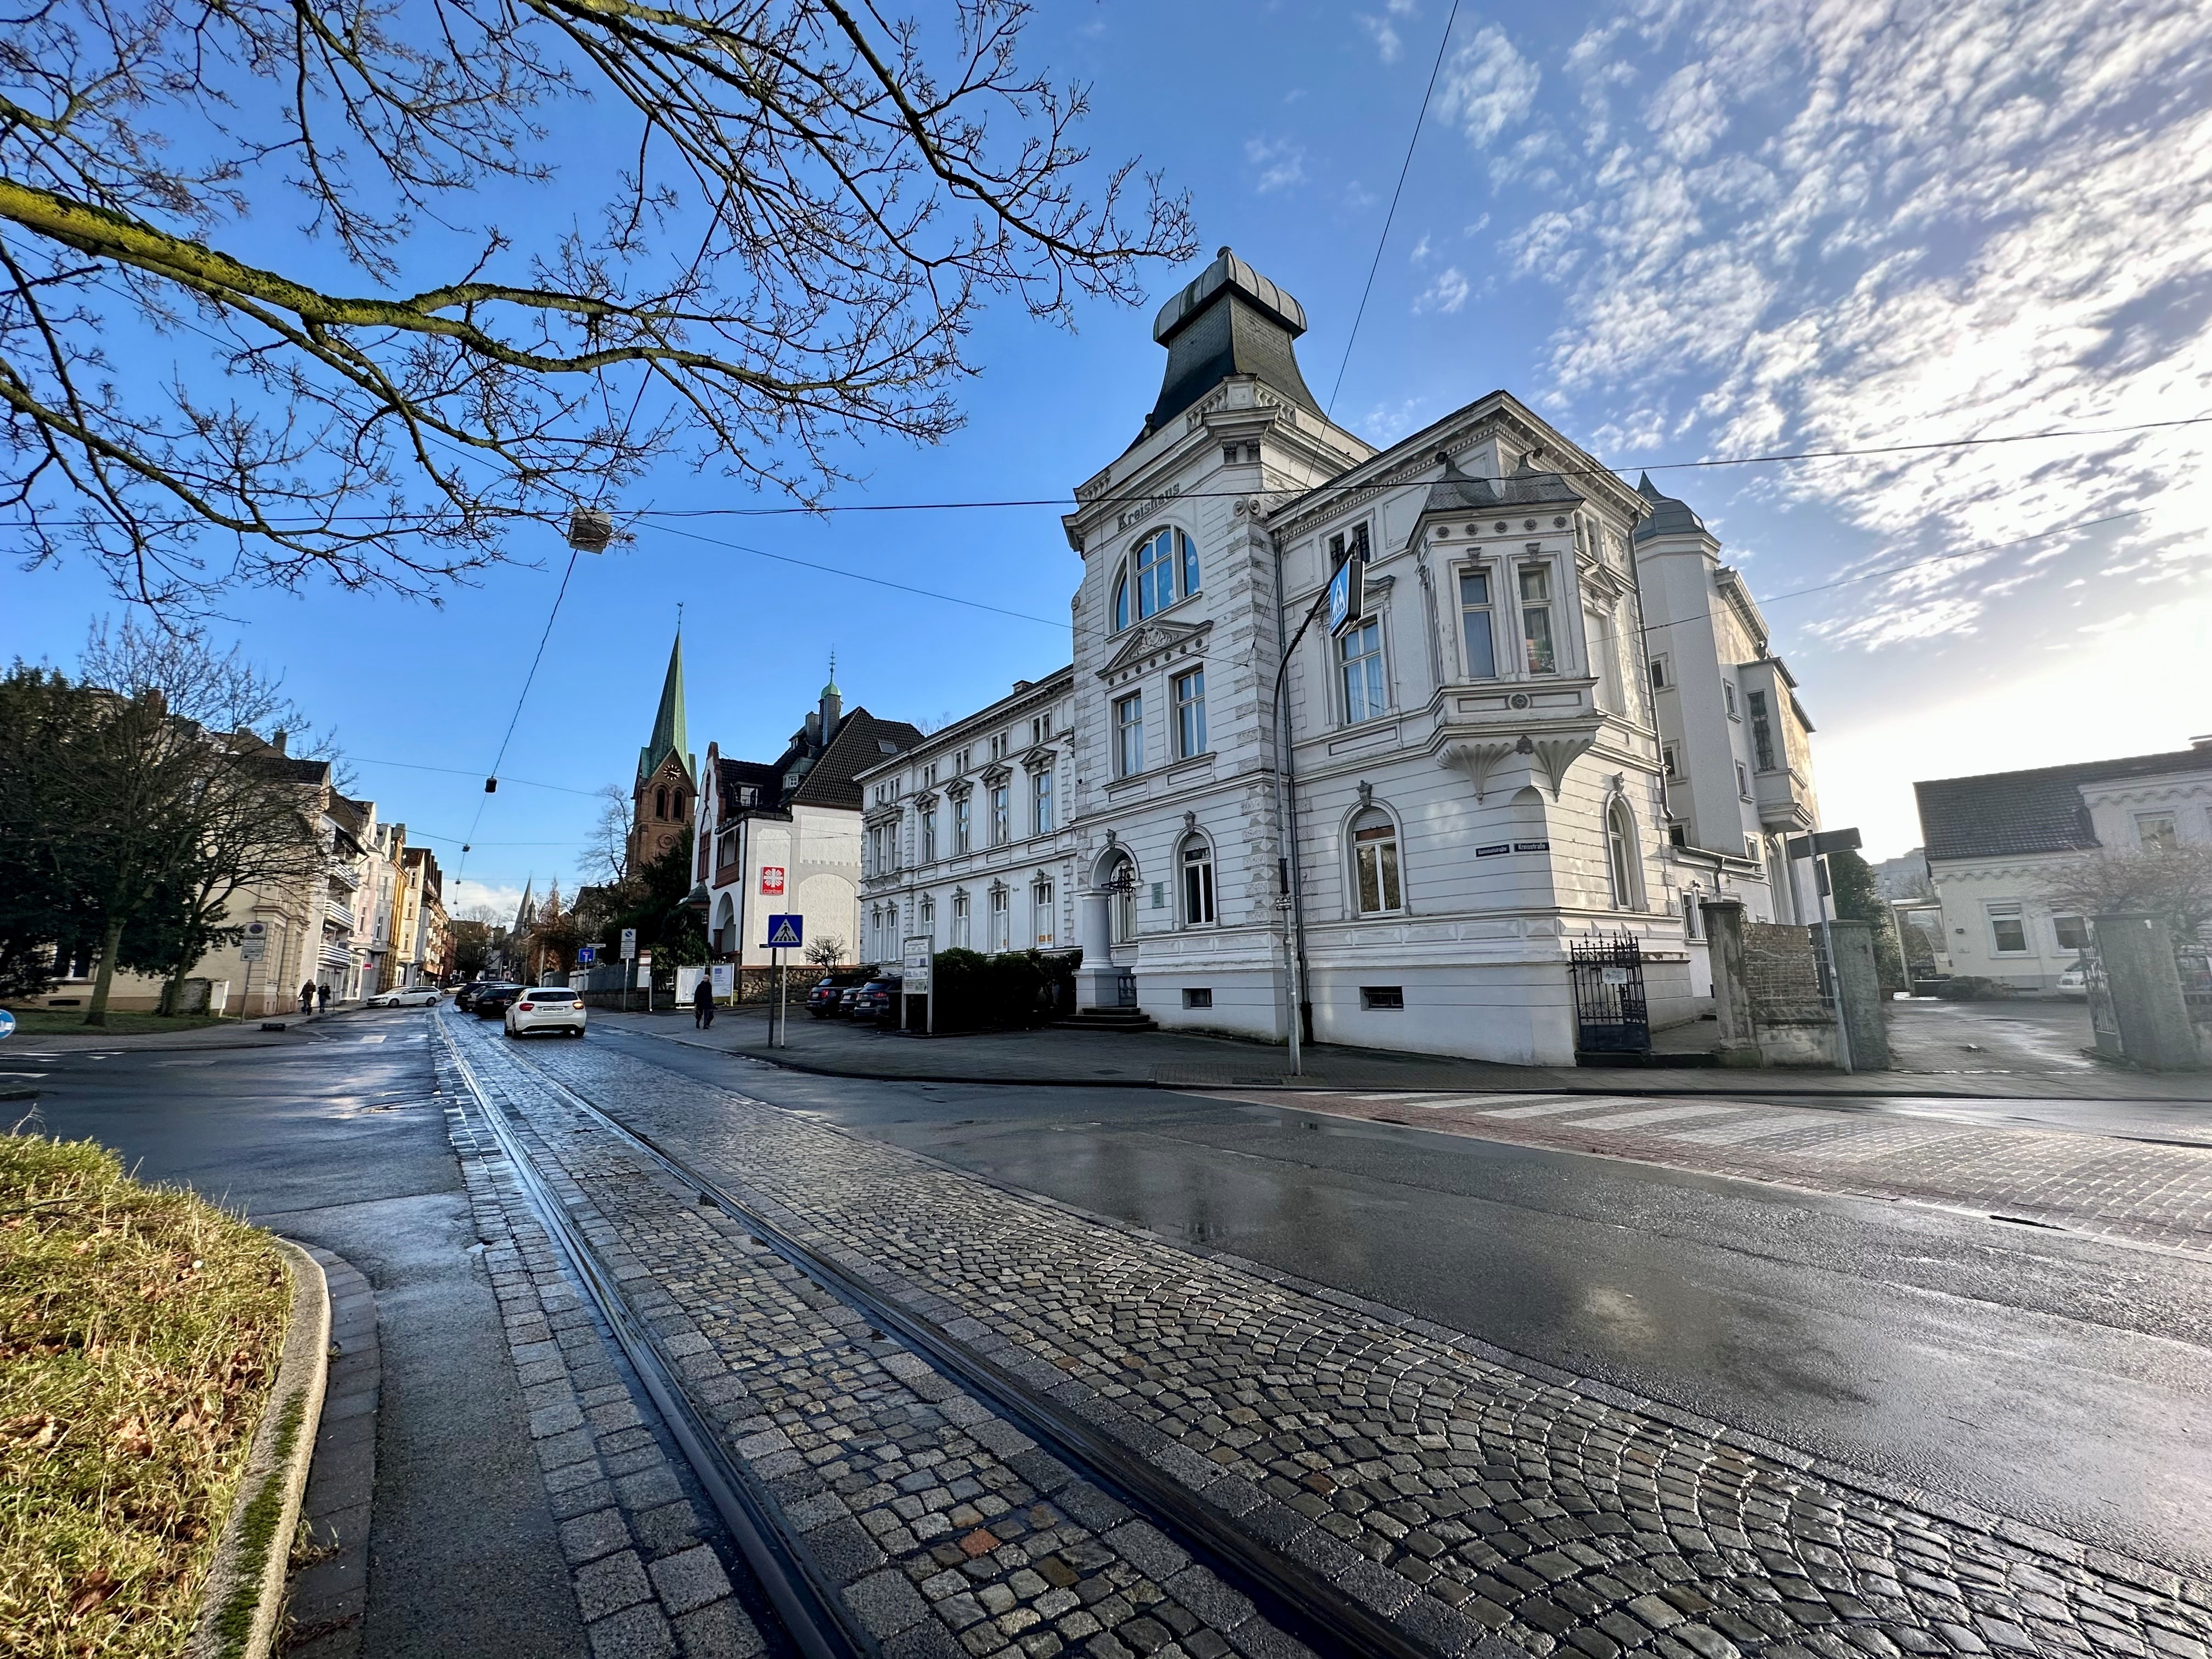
(1753, 1129)
(1554, 1107)
(1657, 1114)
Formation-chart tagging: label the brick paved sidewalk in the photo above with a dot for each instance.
(2138, 1191)
(1186, 1060)
(1408, 1463)
(948, 1531)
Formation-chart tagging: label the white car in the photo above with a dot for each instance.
(2073, 982)
(546, 1008)
(407, 996)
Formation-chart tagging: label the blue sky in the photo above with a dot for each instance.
(1681, 231)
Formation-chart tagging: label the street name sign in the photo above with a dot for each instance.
(784, 932)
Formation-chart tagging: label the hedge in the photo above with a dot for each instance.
(1010, 991)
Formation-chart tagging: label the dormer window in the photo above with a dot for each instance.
(1161, 569)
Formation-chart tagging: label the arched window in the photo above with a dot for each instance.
(1620, 860)
(1194, 864)
(675, 801)
(660, 803)
(1162, 569)
(1376, 884)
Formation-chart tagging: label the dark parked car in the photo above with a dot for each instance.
(465, 998)
(491, 1002)
(829, 992)
(878, 1000)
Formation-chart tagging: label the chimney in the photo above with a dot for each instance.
(277, 739)
(813, 729)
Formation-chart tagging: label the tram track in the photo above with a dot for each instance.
(1296, 1600)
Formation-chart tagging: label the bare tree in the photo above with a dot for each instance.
(788, 248)
(2173, 884)
(826, 951)
(607, 844)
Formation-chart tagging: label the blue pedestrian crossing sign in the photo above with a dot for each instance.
(785, 932)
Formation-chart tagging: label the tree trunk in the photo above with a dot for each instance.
(172, 989)
(97, 1014)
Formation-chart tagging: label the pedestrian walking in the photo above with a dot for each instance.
(702, 1004)
(322, 999)
(307, 997)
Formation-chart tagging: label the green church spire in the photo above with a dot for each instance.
(670, 733)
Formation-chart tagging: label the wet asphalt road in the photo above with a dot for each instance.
(2054, 1379)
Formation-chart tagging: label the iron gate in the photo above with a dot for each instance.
(2104, 1022)
(1611, 1016)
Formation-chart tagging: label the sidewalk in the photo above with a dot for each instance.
(243, 1032)
(1181, 1060)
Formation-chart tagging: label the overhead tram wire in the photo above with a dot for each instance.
(855, 575)
(491, 779)
(463, 772)
(1412, 143)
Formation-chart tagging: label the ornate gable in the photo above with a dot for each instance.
(1150, 644)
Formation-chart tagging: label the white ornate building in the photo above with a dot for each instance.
(1475, 769)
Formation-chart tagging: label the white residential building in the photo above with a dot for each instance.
(968, 839)
(783, 837)
(1734, 740)
(1993, 842)
(1475, 765)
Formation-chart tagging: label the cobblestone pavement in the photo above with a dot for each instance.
(949, 1531)
(1422, 1471)
(650, 1575)
(2138, 1191)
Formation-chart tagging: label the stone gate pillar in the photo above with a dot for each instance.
(2145, 987)
(1858, 995)
(1731, 993)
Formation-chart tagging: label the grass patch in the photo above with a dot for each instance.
(140, 1330)
(70, 1022)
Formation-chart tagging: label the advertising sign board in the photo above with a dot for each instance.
(914, 963)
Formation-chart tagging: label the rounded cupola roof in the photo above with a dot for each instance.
(1227, 271)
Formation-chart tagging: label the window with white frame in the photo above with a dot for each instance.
(1001, 822)
(1129, 735)
(1661, 676)
(2157, 832)
(2072, 932)
(1042, 928)
(997, 745)
(1669, 761)
(1001, 919)
(929, 775)
(960, 921)
(1160, 570)
(959, 762)
(2007, 930)
(1196, 864)
(929, 834)
(1040, 801)
(1375, 875)
(1539, 654)
(1359, 661)
(1743, 781)
(962, 824)
(1478, 625)
(1728, 697)
(1621, 861)
(1040, 729)
(1190, 714)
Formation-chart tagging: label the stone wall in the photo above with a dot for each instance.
(1781, 974)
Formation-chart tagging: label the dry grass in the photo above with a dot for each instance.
(139, 1334)
(121, 1022)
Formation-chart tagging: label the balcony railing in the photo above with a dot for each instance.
(340, 914)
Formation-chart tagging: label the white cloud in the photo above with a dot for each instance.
(1447, 294)
(1281, 163)
(1383, 29)
(467, 893)
(1487, 86)
(1836, 227)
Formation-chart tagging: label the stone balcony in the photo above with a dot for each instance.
(1784, 799)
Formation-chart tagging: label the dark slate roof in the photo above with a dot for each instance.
(1229, 319)
(731, 775)
(1668, 516)
(1461, 492)
(2037, 811)
(859, 743)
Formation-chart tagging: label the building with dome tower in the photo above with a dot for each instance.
(1460, 807)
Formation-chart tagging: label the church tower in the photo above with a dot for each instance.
(667, 786)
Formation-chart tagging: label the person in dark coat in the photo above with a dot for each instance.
(322, 999)
(307, 997)
(702, 1004)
